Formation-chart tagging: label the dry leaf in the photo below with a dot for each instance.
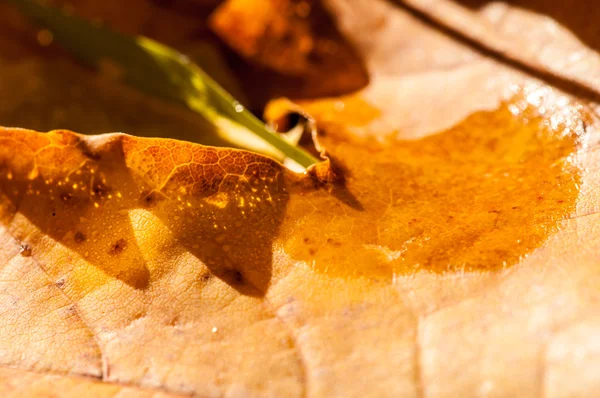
(295, 38)
(458, 257)
(19, 383)
(553, 38)
(126, 237)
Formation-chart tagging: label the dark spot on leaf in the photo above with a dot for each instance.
(233, 276)
(237, 276)
(71, 310)
(205, 277)
(79, 237)
(150, 199)
(59, 283)
(118, 247)
(25, 250)
(100, 190)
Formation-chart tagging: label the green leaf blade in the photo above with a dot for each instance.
(162, 72)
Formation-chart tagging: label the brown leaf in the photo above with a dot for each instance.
(564, 47)
(19, 383)
(457, 258)
(294, 38)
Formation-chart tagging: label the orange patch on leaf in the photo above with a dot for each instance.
(476, 197)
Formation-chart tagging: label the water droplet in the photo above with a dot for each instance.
(238, 107)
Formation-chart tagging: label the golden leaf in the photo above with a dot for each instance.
(456, 257)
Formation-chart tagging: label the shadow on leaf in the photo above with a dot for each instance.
(225, 206)
(68, 192)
